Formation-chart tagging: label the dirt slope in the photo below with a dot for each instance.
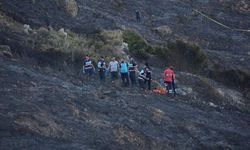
(42, 107)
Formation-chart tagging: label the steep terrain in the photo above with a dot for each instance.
(46, 108)
(46, 102)
(162, 21)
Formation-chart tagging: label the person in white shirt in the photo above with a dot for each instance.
(113, 68)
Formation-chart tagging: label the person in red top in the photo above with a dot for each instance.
(169, 77)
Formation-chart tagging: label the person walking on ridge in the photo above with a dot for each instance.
(138, 15)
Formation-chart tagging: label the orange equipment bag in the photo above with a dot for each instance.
(160, 90)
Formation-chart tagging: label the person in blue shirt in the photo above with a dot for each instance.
(124, 72)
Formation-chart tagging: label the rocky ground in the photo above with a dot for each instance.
(46, 108)
(45, 103)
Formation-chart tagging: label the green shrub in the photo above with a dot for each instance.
(184, 56)
(137, 44)
(192, 53)
(76, 46)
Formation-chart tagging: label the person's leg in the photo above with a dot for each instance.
(130, 78)
(141, 84)
(87, 74)
(103, 75)
(123, 78)
(116, 75)
(127, 79)
(173, 86)
(168, 86)
(100, 75)
(134, 79)
(112, 76)
(149, 84)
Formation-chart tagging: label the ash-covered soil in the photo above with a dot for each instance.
(44, 108)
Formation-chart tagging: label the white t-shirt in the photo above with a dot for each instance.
(113, 66)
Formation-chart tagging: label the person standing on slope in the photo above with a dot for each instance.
(141, 79)
(138, 15)
(148, 74)
(113, 68)
(88, 67)
(132, 68)
(169, 77)
(124, 72)
(101, 69)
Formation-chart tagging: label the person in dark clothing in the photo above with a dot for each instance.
(88, 67)
(148, 74)
(132, 68)
(101, 69)
(141, 79)
(138, 15)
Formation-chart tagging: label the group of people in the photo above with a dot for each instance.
(128, 72)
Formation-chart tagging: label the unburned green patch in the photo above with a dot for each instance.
(137, 44)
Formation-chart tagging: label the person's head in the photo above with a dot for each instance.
(171, 67)
(113, 59)
(122, 60)
(146, 64)
(102, 58)
(87, 57)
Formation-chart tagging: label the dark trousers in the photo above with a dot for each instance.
(102, 75)
(138, 18)
(170, 86)
(174, 86)
(141, 83)
(125, 79)
(132, 78)
(114, 75)
(148, 82)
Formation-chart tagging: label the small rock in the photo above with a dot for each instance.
(212, 104)
(5, 51)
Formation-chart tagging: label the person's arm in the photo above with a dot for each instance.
(109, 67)
(84, 64)
(118, 68)
(93, 66)
(173, 76)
